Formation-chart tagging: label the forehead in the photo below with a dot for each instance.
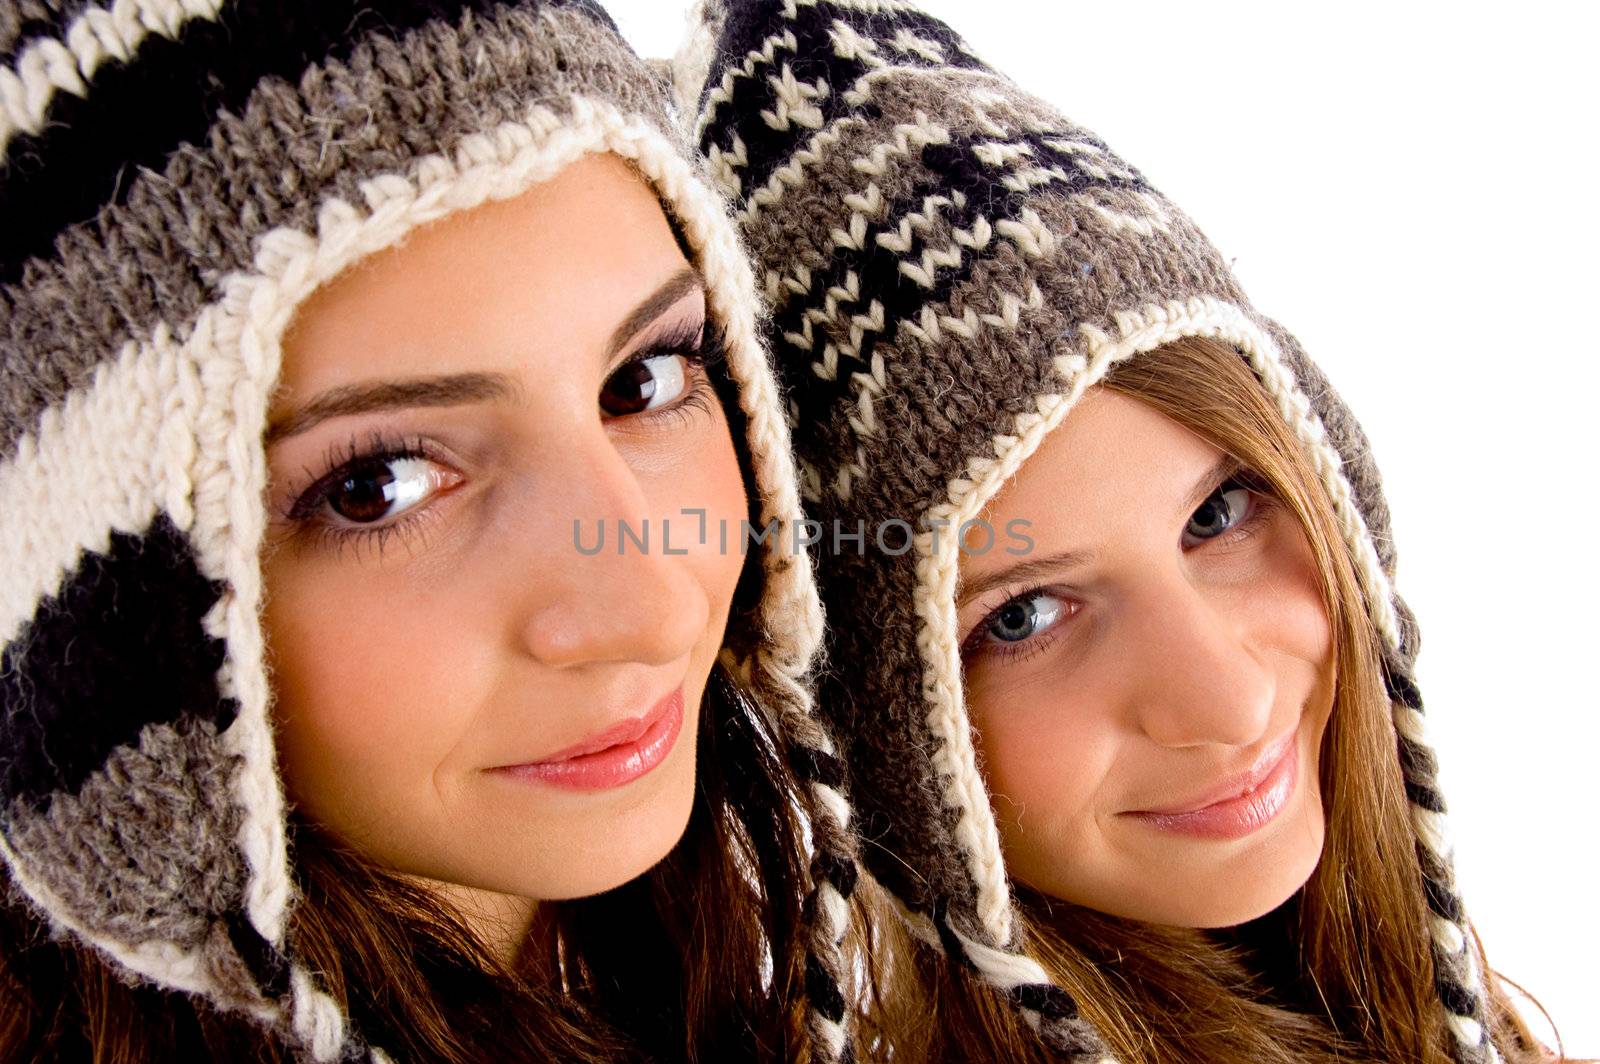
(545, 276)
(1111, 463)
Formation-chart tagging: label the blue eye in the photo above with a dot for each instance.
(1025, 617)
(1224, 509)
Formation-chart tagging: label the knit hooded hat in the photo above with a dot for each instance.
(949, 264)
(179, 176)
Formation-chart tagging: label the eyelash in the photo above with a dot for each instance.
(702, 346)
(1017, 653)
(305, 509)
(1263, 502)
(697, 398)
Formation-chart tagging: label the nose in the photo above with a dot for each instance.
(1194, 676)
(629, 601)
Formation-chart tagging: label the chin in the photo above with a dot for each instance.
(1233, 912)
(1196, 889)
(1236, 895)
(620, 845)
(629, 852)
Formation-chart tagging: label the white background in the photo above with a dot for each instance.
(1411, 189)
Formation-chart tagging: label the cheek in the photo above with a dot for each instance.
(1043, 761)
(706, 477)
(361, 707)
(1288, 606)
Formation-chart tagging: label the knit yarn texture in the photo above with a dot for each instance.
(179, 176)
(949, 263)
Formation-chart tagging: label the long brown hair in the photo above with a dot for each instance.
(697, 959)
(701, 958)
(1343, 969)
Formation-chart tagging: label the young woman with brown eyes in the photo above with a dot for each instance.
(1151, 787)
(322, 740)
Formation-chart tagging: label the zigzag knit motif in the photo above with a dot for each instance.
(949, 265)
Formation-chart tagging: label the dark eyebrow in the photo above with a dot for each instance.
(654, 305)
(1052, 564)
(388, 395)
(466, 387)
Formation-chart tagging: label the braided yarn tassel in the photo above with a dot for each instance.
(1457, 975)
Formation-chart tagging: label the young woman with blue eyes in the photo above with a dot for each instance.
(323, 740)
(1149, 781)
(1174, 629)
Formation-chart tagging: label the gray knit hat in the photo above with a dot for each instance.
(179, 176)
(950, 264)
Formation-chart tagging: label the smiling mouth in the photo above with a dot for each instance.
(610, 758)
(1248, 802)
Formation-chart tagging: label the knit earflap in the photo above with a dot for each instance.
(949, 265)
(180, 177)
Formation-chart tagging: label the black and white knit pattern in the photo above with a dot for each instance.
(180, 175)
(912, 212)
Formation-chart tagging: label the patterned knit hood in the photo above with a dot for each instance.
(949, 264)
(179, 176)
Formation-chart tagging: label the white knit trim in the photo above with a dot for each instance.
(791, 607)
(214, 429)
(938, 639)
(318, 1022)
(940, 646)
(499, 164)
(1157, 324)
(691, 61)
(50, 65)
(967, 494)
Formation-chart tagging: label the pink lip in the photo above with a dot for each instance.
(619, 754)
(1241, 805)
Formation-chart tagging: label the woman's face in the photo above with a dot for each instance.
(1151, 682)
(461, 693)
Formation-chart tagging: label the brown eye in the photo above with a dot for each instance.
(643, 384)
(373, 491)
